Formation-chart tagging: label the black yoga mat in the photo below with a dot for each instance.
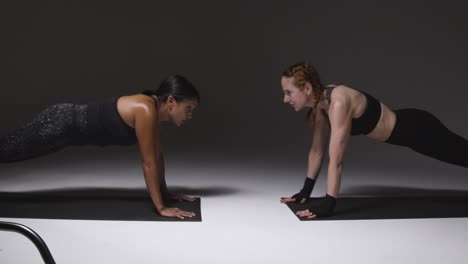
(359, 208)
(90, 204)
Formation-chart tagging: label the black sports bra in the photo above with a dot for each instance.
(367, 121)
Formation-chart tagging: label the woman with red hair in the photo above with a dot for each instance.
(338, 112)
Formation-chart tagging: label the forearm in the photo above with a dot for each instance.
(163, 186)
(162, 173)
(153, 179)
(314, 164)
(334, 178)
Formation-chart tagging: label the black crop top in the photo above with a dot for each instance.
(367, 121)
(106, 127)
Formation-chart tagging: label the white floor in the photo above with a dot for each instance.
(243, 221)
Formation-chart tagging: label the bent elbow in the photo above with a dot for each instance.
(336, 164)
(316, 154)
(149, 165)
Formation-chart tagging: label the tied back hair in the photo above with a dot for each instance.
(176, 86)
(303, 73)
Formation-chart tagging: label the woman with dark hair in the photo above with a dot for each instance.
(338, 112)
(123, 120)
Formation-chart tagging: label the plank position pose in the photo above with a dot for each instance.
(338, 112)
(123, 120)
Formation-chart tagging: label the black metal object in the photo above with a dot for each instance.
(31, 235)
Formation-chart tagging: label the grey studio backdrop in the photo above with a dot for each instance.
(406, 53)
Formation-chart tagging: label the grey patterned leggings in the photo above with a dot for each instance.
(51, 130)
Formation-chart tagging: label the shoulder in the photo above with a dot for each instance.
(340, 89)
(139, 104)
(341, 96)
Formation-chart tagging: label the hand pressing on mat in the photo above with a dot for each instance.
(302, 196)
(325, 208)
(175, 212)
(294, 199)
(180, 197)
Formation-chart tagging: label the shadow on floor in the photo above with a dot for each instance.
(205, 191)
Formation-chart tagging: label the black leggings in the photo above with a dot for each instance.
(51, 130)
(424, 133)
